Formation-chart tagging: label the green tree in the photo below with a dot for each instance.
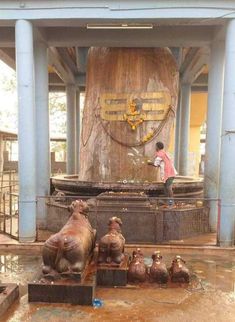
(57, 107)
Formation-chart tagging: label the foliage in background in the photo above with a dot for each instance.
(8, 109)
(57, 107)
(8, 105)
(8, 99)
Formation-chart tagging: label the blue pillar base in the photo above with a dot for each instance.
(226, 243)
(27, 221)
(27, 239)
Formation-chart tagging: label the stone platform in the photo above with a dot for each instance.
(143, 221)
(71, 185)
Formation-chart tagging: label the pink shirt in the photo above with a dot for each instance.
(169, 169)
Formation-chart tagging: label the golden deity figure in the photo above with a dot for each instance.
(132, 108)
(133, 118)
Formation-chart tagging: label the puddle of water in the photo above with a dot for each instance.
(19, 269)
(214, 301)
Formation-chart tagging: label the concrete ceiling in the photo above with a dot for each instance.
(187, 28)
(162, 36)
(78, 13)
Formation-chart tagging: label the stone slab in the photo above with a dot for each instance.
(64, 290)
(9, 292)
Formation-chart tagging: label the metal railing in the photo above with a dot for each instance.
(9, 203)
(188, 221)
(8, 178)
(9, 213)
(185, 221)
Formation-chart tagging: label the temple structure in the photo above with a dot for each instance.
(41, 36)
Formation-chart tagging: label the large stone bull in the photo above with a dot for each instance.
(69, 249)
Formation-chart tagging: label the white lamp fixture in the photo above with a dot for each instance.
(119, 26)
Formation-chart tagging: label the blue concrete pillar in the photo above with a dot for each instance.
(227, 163)
(213, 134)
(42, 130)
(184, 128)
(78, 120)
(26, 130)
(71, 128)
(177, 134)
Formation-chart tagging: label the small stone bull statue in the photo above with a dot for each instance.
(158, 270)
(69, 249)
(111, 245)
(178, 271)
(137, 271)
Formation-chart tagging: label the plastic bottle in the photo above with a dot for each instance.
(97, 303)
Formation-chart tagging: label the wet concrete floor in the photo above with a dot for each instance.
(213, 299)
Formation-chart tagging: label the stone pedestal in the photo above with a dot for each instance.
(65, 290)
(112, 276)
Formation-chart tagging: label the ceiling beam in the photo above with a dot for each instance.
(7, 38)
(202, 80)
(39, 34)
(55, 59)
(81, 80)
(177, 52)
(81, 58)
(54, 88)
(7, 55)
(54, 79)
(199, 89)
(63, 52)
(162, 36)
(192, 52)
(62, 70)
(195, 65)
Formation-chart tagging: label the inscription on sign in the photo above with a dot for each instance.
(135, 107)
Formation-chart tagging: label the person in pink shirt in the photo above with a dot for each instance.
(167, 170)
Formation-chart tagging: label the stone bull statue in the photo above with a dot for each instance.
(158, 270)
(69, 249)
(111, 245)
(178, 271)
(137, 271)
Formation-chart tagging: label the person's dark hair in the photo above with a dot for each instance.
(159, 145)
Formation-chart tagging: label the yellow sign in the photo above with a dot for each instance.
(135, 108)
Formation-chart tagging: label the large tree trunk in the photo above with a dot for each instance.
(131, 97)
